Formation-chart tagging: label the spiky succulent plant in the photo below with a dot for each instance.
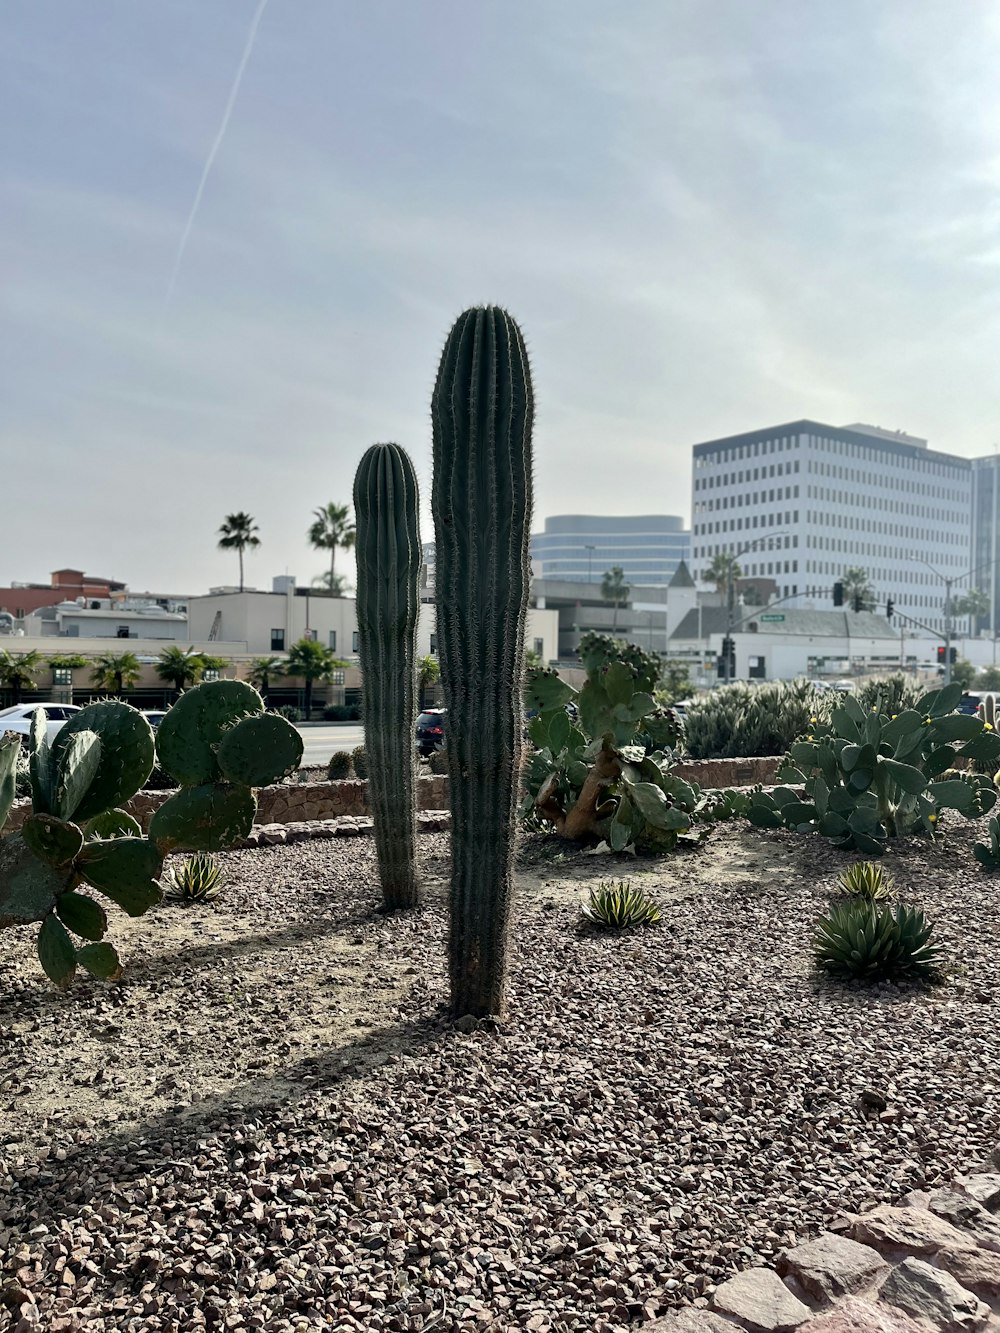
(866, 879)
(339, 766)
(618, 906)
(988, 853)
(198, 879)
(871, 942)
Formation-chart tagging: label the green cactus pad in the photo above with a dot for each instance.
(52, 839)
(76, 770)
(10, 747)
(56, 952)
(28, 887)
(124, 870)
(40, 765)
(112, 824)
(100, 960)
(189, 734)
(203, 819)
(126, 754)
(81, 915)
(259, 750)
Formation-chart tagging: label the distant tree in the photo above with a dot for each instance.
(988, 678)
(18, 673)
(974, 603)
(332, 527)
(67, 661)
(263, 670)
(858, 592)
(180, 667)
(311, 662)
(615, 589)
(210, 663)
(116, 672)
(675, 683)
(239, 533)
(336, 584)
(533, 661)
(752, 595)
(963, 672)
(428, 674)
(722, 570)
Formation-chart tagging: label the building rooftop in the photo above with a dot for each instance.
(811, 624)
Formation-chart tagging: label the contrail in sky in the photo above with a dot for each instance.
(213, 151)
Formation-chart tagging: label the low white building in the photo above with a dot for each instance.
(271, 622)
(106, 620)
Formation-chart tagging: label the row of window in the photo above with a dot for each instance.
(918, 461)
(278, 640)
(747, 498)
(741, 524)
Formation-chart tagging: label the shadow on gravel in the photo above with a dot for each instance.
(54, 1191)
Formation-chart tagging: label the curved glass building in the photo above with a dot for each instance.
(580, 547)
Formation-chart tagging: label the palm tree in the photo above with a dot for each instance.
(428, 673)
(18, 673)
(311, 662)
(974, 604)
(859, 594)
(615, 589)
(331, 528)
(180, 667)
(116, 672)
(262, 669)
(335, 583)
(723, 569)
(236, 534)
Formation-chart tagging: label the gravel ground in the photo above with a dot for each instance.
(268, 1125)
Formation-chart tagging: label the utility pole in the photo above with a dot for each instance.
(947, 631)
(728, 646)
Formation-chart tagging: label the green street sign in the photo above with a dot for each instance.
(773, 618)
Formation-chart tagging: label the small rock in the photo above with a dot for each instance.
(984, 1188)
(873, 1100)
(928, 1293)
(759, 1300)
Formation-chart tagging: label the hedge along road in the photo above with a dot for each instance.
(321, 742)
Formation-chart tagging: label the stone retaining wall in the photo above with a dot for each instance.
(932, 1263)
(288, 803)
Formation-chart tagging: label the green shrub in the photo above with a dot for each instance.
(866, 879)
(198, 879)
(619, 906)
(872, 942)
(890, 695)
(289, 712)
(741, 721)
(988, 678)
(339, 766)
(342, 713)
(864, 777)
(988, 853)
(359, 759)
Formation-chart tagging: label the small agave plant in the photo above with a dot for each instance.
(196, 880)
(618, 906)
(873, 942)
(866, 879)
(988, 853)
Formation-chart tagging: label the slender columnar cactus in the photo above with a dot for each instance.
(389, 556)
(482, 412)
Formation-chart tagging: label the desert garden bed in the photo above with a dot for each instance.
(268, 1123)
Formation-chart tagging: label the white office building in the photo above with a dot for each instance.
(802, 502)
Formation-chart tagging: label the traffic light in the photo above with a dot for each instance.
(838, 594)
(940, 654)
(890, 606)
(857, 603)
(728, 651)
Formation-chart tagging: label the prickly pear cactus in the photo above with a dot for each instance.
(389, 559)
(219, 745)
(218, 742)
(482, 411)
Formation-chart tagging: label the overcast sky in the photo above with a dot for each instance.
(707, 217)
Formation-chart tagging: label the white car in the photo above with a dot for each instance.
(19, 717)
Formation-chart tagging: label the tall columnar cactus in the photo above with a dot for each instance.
(389, 557)
(482, 412)
(216, 741)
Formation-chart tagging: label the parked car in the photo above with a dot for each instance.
(18, 717)
(154, 716)
(430, 730)
(969, 703)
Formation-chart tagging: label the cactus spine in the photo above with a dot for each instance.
(482, 412)
(389, 557)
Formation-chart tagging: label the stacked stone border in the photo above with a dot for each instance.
(932, 1262)
(299, 803)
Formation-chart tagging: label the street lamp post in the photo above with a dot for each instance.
(948, 580)
(731, 599)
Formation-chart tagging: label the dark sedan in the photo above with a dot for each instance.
(430, 730)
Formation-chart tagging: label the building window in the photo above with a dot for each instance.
(337, 678)
(355, 642)
(62, 676)
(122, 632)
(277, 641)
(210, 673)
(332, 645)
(540, 646)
